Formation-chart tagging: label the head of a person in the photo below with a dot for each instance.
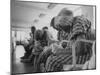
(33, 29)
(64, 44)
(45, 28)
(63, 21)
(38, 34)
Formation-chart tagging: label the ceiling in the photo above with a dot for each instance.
(25, 14)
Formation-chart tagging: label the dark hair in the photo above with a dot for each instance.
(33, 29)
(45, 27)
(38, 35)
(64, 44)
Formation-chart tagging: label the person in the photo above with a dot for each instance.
(71, 28)
(63, 23)
(36, 48)
(49, 36)
(43, 36)
(29, 47)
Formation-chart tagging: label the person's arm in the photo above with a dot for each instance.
(49, 35)
(50, 38)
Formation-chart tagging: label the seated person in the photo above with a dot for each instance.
(47, 35)
(41, 37)
(69, 28)
(35, 52)
(29, 47)
(40, 42)
(37, 48)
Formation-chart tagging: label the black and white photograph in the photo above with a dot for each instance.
(52, 37)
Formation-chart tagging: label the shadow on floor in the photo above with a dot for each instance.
(20, 67)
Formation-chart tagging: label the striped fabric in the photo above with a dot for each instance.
(79, 31)
(80, 26)
(43, 57)
(55, 63)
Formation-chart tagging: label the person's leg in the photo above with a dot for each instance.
(26, 54)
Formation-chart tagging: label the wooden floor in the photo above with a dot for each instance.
(20, 67)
